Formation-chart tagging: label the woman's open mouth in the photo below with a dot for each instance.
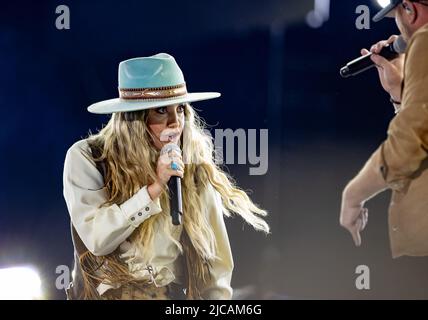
(169, 135)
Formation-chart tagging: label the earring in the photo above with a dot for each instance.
(409, 10)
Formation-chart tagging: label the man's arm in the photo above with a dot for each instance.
(369, 181)
(365, 185)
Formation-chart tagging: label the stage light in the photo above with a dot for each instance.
(319, 15)
(20, 283)
(383, 3)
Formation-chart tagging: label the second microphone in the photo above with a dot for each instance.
(364, 63)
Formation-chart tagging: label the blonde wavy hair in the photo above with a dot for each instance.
(126, 148)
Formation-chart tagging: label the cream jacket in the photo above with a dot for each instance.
(104, 229)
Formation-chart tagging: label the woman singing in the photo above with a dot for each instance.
(116, 190)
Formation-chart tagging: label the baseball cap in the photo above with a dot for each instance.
(387, 11)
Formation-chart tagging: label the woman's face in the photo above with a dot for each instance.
(166, 124)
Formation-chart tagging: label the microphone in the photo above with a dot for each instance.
(364, 63)
(174, 186)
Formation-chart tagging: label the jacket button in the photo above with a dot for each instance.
(132, 218)
(140, 214)
(147, 208)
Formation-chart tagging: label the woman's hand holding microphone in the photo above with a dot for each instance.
(170, 163)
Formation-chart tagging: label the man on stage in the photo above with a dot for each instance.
(401, 161)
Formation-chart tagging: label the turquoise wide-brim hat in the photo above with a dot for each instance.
(149, 82)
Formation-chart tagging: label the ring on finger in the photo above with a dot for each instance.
(174, 166)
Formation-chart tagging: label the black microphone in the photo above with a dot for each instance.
(364, 63)
(174, 186)
(175, 199)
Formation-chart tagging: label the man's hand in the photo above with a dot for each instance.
(390, 72)
(353, 216)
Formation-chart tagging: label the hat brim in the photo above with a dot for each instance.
(121, 105)
(388, 11)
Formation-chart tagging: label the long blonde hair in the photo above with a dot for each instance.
(126, 148)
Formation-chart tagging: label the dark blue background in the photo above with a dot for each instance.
(322, 128)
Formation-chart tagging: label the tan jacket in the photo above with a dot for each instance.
(104, 229)
(403, 157)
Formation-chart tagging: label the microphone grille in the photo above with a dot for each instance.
(169, 147)
(399, 45)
